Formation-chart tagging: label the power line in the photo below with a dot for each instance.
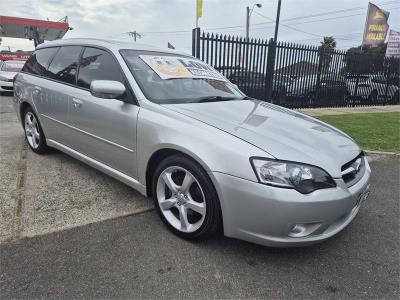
(306, 16)
(183, 32)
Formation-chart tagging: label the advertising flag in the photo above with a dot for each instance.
(199, 9)
(376, 26)
(393, 45)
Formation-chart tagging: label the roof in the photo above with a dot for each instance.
(26, 28)
(109, 44)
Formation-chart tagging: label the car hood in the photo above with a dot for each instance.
(282, 133)
(8, 75)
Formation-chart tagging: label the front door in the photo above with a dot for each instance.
(103, 129)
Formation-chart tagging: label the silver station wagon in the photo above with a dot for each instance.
(173, 128)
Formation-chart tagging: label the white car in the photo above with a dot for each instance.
(8, 69)
(375, 88)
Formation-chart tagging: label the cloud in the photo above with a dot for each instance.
(113, 19)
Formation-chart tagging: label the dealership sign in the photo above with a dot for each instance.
(168, 67)
(393, 45)
(13, 56)
(376, 26)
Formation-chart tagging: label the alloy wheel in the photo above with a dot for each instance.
(32, 130)
(181, 199)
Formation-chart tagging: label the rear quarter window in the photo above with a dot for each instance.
(38, 63)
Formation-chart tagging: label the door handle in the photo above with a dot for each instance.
(77, 103)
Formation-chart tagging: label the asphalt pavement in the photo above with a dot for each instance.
(135, 256)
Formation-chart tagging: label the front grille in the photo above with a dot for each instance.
(354, 170)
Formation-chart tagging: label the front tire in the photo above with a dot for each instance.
(34, 133)
(185, 198)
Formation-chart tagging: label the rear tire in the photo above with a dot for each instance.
(185, 198)
(33, 132)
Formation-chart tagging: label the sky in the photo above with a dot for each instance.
(163, 21)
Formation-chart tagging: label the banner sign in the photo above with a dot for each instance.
(12, 56)
(168, 67)
(376, 26)
(393, 45)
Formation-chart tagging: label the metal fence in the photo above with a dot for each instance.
(297, 76)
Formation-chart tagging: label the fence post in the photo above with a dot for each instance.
(196, 42)
(269, 72)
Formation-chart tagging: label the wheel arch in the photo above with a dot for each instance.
(22, 107)
(157, 157)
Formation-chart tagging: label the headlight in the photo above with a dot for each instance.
(304, 178)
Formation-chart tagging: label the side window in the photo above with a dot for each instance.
(64, 65)
(97, 64)
(38, 63)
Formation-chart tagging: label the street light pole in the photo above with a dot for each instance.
(247, 22)
(278, 13)
(248, 14)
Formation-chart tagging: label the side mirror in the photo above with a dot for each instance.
(108, 89)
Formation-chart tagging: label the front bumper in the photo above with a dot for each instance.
(6, 86)
(266, 215)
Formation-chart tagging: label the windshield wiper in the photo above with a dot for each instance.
(215, 99)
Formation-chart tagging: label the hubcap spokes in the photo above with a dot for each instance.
(32, 130)
(184, 211)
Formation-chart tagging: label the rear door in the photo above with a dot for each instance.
(34, 78)
(58, 92)
(104, 129)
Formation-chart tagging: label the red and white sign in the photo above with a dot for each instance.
(13, 56)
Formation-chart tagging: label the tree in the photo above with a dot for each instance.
(327, 47)
(328, 42)
(380, 49)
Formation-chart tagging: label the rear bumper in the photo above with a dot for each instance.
(266, 215)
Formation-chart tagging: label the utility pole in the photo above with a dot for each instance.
(135, 34)
(278, 13)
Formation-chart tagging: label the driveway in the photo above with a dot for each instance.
(69, 231)
(46, 193)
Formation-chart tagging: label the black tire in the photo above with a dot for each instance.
(213, 218)
(42, 147)
(373, 97)
(310, 100)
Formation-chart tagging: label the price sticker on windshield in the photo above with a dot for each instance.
(168, 67)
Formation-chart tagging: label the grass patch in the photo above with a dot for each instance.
(372, 131)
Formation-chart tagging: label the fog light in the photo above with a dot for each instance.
(303, 229)
(297, 230)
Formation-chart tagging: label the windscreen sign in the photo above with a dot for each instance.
(168, 67)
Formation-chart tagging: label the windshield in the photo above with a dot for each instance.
(172, 90)
(12, 66)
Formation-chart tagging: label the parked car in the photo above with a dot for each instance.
(283, 79)
(331, 87)
(8, 69)
(374, 88)
(253, 84)
(172, 127)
